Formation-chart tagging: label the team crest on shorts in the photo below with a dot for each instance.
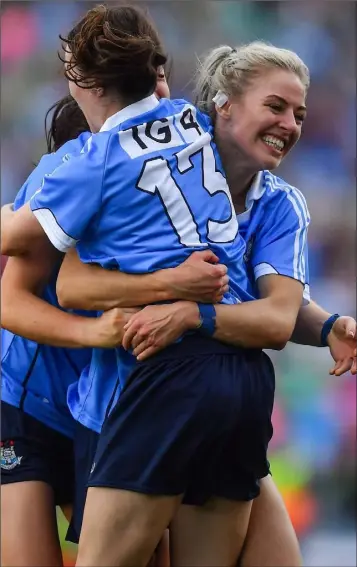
(9, 460)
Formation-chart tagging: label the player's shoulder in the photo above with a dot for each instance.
(73, 146)
(184, 106)
(47, 164)
(177, 107)
(84, 162)
(279, 192)
(92, 152)
(174, 105)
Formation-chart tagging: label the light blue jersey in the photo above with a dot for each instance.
(274, 227)
(99, 387)
(149, 190)
(36, 377)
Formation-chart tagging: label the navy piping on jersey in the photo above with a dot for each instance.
(69, 360)
(27, 377)
(54, 216)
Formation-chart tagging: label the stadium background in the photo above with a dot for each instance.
(313, 451)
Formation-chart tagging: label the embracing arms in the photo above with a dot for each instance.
(34, 263)
(25, 313)
(263, 323)
(268, 321)
(88, 286)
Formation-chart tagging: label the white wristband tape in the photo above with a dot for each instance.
(220, 99)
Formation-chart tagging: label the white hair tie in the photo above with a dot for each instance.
(220, 99)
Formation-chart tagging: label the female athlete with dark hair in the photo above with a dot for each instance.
(37, 428)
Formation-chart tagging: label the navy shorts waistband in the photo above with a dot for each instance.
(196, 344)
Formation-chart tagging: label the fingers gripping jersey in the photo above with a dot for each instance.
(36, 377)
(145, 193)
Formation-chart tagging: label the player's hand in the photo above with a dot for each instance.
(107, 331)
(343, 346)
(157, 326)
(199, 278)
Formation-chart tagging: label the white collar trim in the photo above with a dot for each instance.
(256, 190)
(135, 109)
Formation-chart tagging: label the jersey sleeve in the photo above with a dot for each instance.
(71, 196)
(46, 164)
(280, 245)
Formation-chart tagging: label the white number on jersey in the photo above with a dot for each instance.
(213, 182)
(156, 175)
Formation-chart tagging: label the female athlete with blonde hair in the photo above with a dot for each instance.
(243, 71)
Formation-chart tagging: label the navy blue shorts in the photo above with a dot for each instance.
(85, 445)
(32, 451)
(194, 419)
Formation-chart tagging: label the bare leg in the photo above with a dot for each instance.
(162, 553)
(29, 535)
(271, 539)
(210, 535)
(122, 528)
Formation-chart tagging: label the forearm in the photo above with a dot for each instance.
(89, 289)
(35, 319)
(309, 324)
(253, 324)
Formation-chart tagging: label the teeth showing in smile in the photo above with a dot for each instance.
(275, 142)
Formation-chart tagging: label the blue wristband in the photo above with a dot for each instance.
(326, 328)
(208, 319)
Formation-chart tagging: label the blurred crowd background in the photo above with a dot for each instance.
(313, 453)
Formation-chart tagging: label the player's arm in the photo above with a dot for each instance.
(89, 286)
(263, 323)
(24, 313)
(309, 324)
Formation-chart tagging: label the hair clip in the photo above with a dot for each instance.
(220, 99)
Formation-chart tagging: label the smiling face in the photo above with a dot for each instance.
(265, 122)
